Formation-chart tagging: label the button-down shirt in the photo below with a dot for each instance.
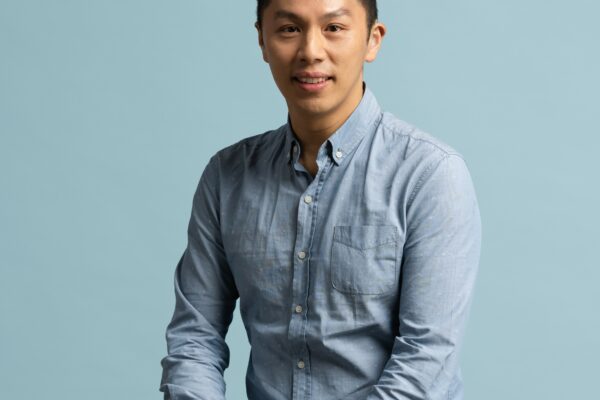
(353, 284)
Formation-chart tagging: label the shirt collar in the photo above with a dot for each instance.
(363, 120)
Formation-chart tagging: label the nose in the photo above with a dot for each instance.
(312, 47)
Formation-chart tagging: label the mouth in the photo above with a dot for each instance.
(311, 81)
(312, 84)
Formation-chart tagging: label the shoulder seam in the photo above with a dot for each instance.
(437, 146)
(247, 141)
(432, 167)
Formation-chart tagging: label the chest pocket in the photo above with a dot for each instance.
(363, 259)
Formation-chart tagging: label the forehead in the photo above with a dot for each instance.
(308, 9)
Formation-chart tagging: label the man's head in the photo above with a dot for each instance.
(316, 50)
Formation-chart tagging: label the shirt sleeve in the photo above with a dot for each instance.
(205, 298)
(439, 266)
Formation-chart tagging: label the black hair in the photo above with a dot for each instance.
(370, 7)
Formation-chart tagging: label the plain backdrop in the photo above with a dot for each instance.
(109, 111)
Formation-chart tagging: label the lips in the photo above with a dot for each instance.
(312, 84)
(312, 80)
(311, 77)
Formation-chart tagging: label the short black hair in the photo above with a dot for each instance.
(370, 7)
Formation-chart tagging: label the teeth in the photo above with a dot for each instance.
(312, 80)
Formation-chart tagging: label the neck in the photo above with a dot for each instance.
(314, 129)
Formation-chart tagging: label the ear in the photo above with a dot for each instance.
(261, 41)
(376, 36)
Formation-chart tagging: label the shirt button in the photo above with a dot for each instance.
(300, 364)
(298, 309)
(308, 199)
(338, 154)
(301, 255)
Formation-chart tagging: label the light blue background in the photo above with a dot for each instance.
(109, 111)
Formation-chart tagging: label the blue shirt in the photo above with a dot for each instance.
(353, 284)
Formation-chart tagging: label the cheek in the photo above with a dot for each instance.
(279, 62)
(349, 55)
(351, 64)
(281, 52)
(359, 57)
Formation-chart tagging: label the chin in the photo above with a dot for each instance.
(312, 106)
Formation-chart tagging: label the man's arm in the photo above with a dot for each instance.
(440, 261)
(205, 295)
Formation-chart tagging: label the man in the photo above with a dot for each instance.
(351, 238)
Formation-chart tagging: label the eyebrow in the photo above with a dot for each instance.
(283, 14)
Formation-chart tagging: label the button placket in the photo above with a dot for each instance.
(306, 220)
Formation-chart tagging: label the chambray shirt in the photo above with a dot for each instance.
(353, 284)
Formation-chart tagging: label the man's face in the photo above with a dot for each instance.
(316, 50)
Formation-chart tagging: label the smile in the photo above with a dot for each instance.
(312, 80)
(312, 84)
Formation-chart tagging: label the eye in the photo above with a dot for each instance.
(289, 29)
(334, 28)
